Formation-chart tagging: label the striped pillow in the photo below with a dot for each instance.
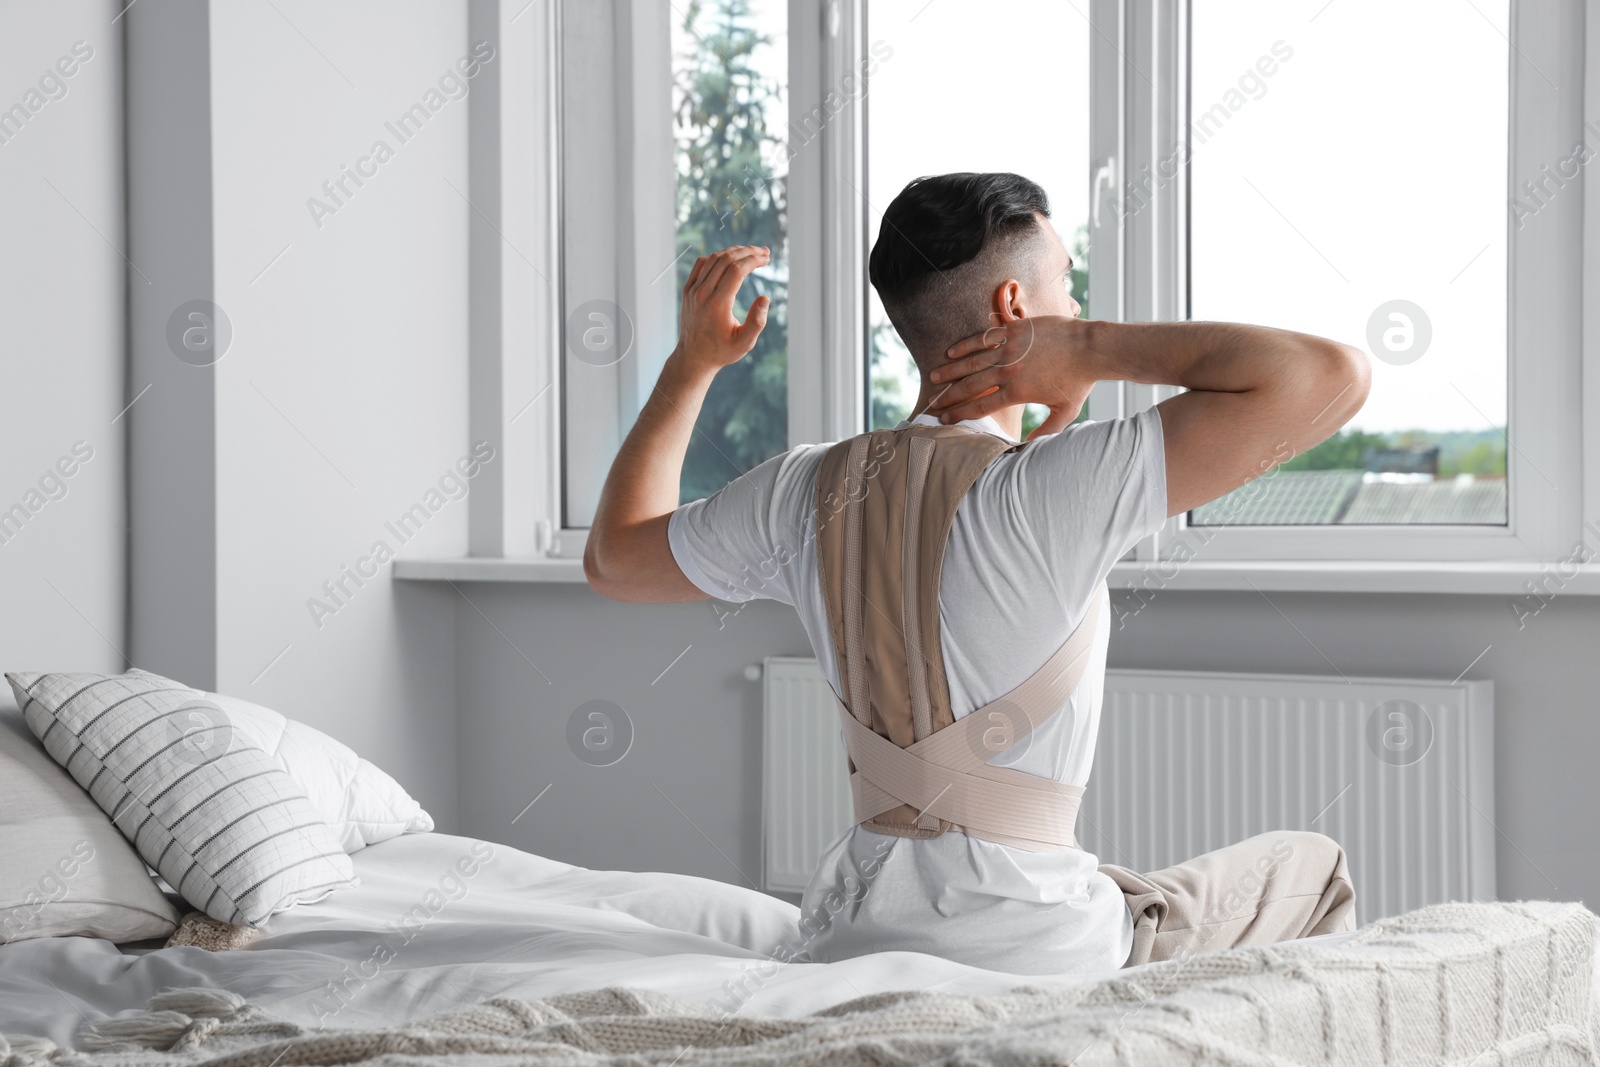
(220, 820)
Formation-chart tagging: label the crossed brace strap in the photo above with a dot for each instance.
(884, 507)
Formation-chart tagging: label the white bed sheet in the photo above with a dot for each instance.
(524, 926)
(521, 925)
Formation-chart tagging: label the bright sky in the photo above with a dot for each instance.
(996, 85)
(1370, 166)
(1374, 168)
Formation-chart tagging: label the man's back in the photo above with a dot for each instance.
(1030, 545)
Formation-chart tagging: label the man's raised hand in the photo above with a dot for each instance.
(1042, 359)
(708, 333)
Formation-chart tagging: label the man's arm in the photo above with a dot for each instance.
(1256, 396)
(627, 556)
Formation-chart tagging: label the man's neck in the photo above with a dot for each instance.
(1009, 418)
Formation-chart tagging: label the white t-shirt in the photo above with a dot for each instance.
(1031, 542)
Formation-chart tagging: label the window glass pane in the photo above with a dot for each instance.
(730, 108)
(1347, 171)
(932, 108)
(598, 356)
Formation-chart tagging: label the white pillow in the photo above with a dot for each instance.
(219, 819)
(358, 800)
(66, 870)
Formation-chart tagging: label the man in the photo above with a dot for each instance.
(977, 283)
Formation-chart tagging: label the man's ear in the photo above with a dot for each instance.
(1006, 303)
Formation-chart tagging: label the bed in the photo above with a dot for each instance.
(381, 940)
(529, 929)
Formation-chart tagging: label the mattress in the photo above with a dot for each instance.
(419, 936)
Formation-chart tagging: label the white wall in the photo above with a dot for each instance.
(698, 730)
(62, 575)
(353, 345)
(342, 399)
(686, 797)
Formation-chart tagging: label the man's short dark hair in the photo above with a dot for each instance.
(944, 243)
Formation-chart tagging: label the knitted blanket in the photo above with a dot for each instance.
(1451, 984)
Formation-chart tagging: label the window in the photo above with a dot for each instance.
(730, 106)
(926, 116)
(672, 146)
(1398, 176)
(1339, 168)
(1347, 177)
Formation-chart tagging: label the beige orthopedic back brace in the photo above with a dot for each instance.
(884, 506)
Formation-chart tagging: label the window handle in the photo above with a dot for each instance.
(1105, 174)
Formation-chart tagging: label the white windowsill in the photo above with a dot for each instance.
(1346, 576)
(1508, 579)
(470, 569)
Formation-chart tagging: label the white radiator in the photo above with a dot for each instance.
(1400, 772)
(805, 782)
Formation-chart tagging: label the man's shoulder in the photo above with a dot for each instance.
(1086, 464)
(787, 476)
(1093, 442)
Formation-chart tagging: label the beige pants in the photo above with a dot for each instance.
(1275, 887)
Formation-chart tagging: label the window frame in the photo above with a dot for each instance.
(628, 183)
(626, 109)
(1543, 314)
(827, 296)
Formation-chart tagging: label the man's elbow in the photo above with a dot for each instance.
(1348, 373)
(602, 579)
